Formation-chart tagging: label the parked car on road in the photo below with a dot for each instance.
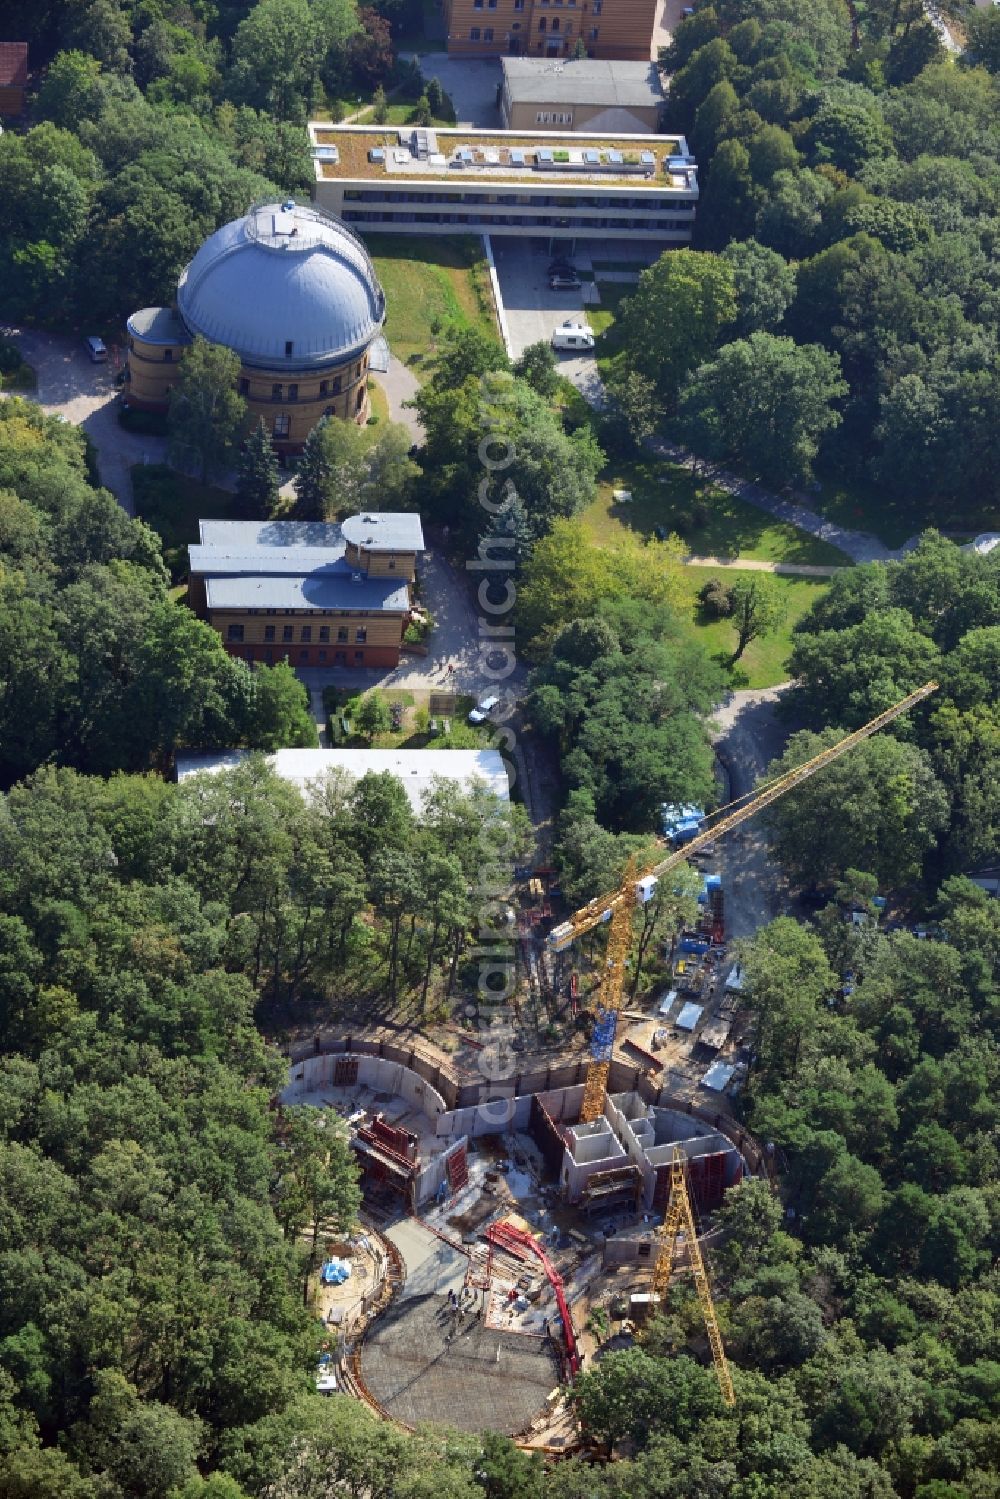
(481, 712)
(564, 282)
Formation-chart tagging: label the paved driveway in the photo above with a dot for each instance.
(86, 395)
(454, 641)
(472, 83)
(533, 310)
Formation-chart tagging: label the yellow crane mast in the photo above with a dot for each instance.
(680, 1217)
(617, 908)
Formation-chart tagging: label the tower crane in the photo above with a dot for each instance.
(616, 908)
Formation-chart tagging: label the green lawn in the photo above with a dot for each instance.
(428, 280)
(613, 294)
(378, 401)
(764, 663)
(404, 114)
(669, 496)
(342, 703)
(868, 508)
(173, 504)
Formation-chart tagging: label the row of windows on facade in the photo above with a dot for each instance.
(596, 6)
(486, 35)
(339, 657)
(649, 200)
(326, 387)
(282, 423)
(495, 220)
(235, 634)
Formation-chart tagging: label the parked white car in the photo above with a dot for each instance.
(481, 712)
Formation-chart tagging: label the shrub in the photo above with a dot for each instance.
(10, 357)
(150, 423)
(716, 598)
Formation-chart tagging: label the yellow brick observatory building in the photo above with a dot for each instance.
(312, 593)
(291, 291)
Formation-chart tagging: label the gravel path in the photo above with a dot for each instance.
(401, 385)
(757, 565)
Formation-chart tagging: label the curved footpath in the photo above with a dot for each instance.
(80, 392)
(860, 546)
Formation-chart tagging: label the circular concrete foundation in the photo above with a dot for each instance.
(420, 1368)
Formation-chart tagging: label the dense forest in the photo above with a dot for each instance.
(155, 123)
(846, 305)
(838, 316)
(99, 667)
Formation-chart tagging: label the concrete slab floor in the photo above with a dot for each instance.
(432, 1266)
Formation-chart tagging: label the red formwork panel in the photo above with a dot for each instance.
(707, 1179)
(345, 1072)
(457, 1167)
(661, 1191)
(399, 1141)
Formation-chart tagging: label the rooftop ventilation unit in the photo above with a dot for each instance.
(517, 158)
(647, 158)
(376, 154)
(615, 159)
(592, 158)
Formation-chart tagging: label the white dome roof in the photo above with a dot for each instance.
(287, 287)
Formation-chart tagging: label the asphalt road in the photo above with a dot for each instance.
(534, 310)
(748, 737)
(85, 394)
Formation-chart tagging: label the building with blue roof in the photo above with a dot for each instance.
(309, 592)
(294, 293)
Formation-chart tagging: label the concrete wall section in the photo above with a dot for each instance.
(433, 1173)
(377, 1073)
(491, 1116)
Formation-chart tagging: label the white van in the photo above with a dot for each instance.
(96, 350)
(573, 336)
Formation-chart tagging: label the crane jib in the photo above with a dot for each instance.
(601, 910)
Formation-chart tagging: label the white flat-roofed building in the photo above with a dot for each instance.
(541, 184)
(416, 770)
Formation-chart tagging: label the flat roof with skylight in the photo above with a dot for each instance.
(543, 160)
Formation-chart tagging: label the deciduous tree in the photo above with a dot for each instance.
(206, 409)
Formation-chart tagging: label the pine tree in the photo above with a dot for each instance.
(312, 477)
(258, 479)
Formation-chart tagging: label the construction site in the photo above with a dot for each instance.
(519, 1212)
(506, 1221)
